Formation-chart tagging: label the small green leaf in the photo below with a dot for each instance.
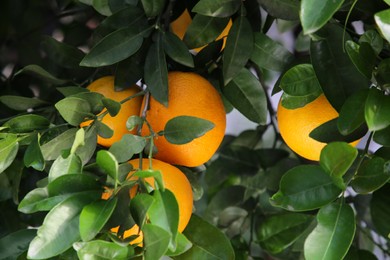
(33, 155)
(382, 136)
(133, 121)
(247, 95)
(293, 102)
(103, 130)
(156, 241)
(314, 14)
(20, 103)
(182, 245)
(14, 244)
(373, 38)
(217, 8)
(78, 140)
(73, 109)
(334, 233)
(53, 148)
(336, 158)
(63, 166)
(86, 151)
(380, 211)
(27, 123)
(102, 250)
(9, 147)
(112, 106)
(184, 129)
(283, 9)
(177, 50)
(41, 73)
(382, 19)
(108, 163)
(129, 145)
(153, 7)
(94, 216)
(377, 110)
(139, 207)
(362, 56)
(305, 187)
(94, 99)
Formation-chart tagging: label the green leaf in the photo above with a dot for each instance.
(334, 233)
(371, 175)
(208, 241)
(156, 241)
(94, 216)
(64, 166)
(102, 250)
(305, 187)
(184, 129)
(133, 121)
(113, 48)
(73, 109)
(72, 90)
(351, 115)
(373, 38)
(293, 102)
(336, 73)
(40, 73)
(177, 50)
(382, 19)
(14, 244)
(102, 7)
(53, 148)
(300, 80)
(182, 245)
(33, 155)
(73, 183)
(380, 211)
(238, 49)
(112, 106)
(246, 94)
(314, 14)
(103, 130)
(217, 8)
(283, 9)
(278, 232)
(382, 136)
(156, 73)
(78, 140)
(362, 56)
(38, 200)
(9, 147)
(382, 75)
(27, 123)
(269, 54)
(60, 228)
(203, 30)
(108, 163)
(129, 145)
(139, 207)
(94, 99)
(20, 103)
(153, 7)
(377, 110)
(336, 158)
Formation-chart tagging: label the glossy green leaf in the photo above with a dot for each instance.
(371, 175)
(73, 183)
(27, 123)
(283, 9)
(113, 48)
(40, 73)
(112, 106)
(53, 148)
(139, 207)
(217, 8)
(208, 241)
(182, 245)
(248, 96)
(380, 211)
(64, 166)
(153, 7)
(33, 155)
(20, 103)
(382, 136)
(156, 73)
(278, 232)
(382, 19)
(60, 229)
(203, 30)
(78, 140)
(336, 73)
(314, 14)
(293, 102)
(94, 216)
(300, 80)
(102, 7)
(269, 54)
(74, 110)
(336, 158)
(133, 121)
(103, 130)
(351, 115)
(184, 129)
(377, 110)
(238, 49)
(305, 187)
(362, 56)
(9, 147)
(102, 250)
(14, 244)
(177, 50)
(373, 38)
(86, 151)
(129, 145)
(156, 241)
(108, 163)
(333, 234)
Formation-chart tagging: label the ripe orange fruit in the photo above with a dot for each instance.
(295, 126)
(180, 25)
(175, 181)
(189, 95)
(105, 86)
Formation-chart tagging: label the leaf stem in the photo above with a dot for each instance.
(346, 21)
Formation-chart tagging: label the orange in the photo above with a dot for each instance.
(105, 86)
(180, 25)
(175, 181)
(189, 95)
(295, 126)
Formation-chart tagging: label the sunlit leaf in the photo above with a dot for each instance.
(33, 155)
(63, 166)
(377, 110)
(73, 109)
(102, 250)
(108, 162)
(217, 8)
(139, 207)
(156, 241)
(53, 148)
(300, 80)
(382, 19)
(9, 147)
(129, 145)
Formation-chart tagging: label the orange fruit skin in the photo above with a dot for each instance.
(295, 126)
(189, 95)
(180, 25)
(105, 86)
(175, 181)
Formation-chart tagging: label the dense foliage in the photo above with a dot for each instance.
(255, 199)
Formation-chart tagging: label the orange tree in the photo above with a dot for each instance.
(255, 198)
